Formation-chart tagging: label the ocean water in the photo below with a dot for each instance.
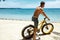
(26, 13)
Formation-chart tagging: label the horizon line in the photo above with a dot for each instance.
(23, 8)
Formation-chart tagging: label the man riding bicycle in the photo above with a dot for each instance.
(38, 11)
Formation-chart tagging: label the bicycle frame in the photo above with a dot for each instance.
(42, 23)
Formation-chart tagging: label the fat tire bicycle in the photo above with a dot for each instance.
(44, 26)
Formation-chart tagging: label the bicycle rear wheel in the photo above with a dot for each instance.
(27, 32)
(47, 28)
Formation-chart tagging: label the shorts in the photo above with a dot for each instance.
(35, 20)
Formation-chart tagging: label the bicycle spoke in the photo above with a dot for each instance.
(47, 28)
(28, 31)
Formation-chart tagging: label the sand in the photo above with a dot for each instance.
(11, 30)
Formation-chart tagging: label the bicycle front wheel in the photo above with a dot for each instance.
(47, 28)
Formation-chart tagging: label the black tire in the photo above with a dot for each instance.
(46, 25)
(27, 37)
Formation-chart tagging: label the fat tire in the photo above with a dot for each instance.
(50, 30)
(24, 30)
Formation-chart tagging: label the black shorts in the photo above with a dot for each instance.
(35, 20)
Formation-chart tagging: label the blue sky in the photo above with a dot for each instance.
(29, 3)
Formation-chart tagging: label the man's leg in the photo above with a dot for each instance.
(35, 29)
(34, 36)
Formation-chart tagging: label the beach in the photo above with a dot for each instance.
(13, 20)
(11, 30)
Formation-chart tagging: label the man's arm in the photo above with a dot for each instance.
(45, 15)
(42, 12)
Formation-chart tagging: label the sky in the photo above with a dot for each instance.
(29, 3)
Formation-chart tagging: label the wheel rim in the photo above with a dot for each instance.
(26, 34)
(50, 28)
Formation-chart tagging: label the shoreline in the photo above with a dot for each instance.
(22, 20)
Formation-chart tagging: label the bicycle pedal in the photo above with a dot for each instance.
(39, 35)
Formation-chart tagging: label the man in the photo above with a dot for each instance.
(38, 11)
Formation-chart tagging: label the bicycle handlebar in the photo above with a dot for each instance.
(45, 18)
